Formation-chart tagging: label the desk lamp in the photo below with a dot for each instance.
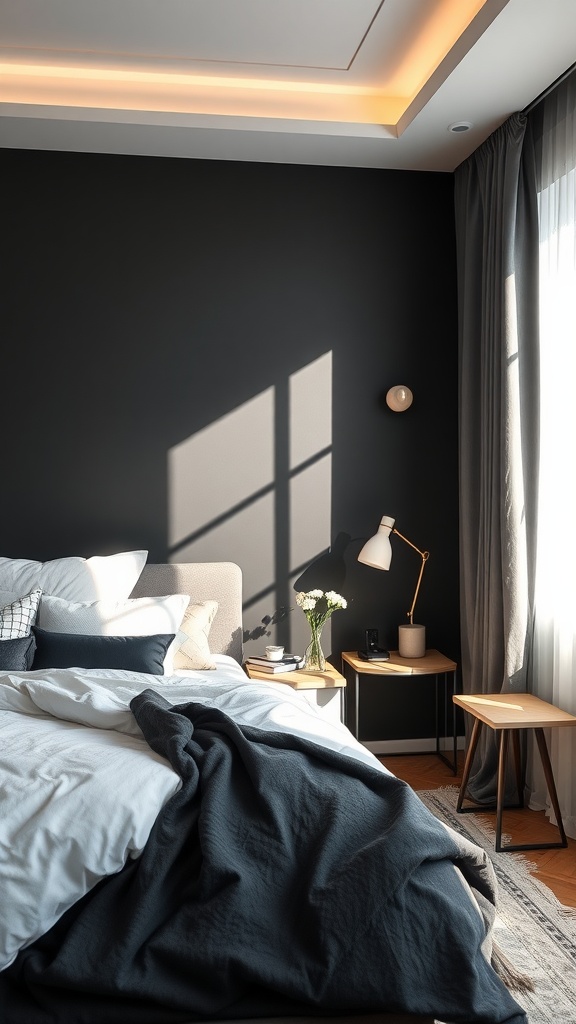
(377, 552)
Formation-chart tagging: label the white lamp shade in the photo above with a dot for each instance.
(377, 551)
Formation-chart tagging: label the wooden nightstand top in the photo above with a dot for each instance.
(300, 679)
(430, 665)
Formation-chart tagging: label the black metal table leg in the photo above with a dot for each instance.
(453, 765)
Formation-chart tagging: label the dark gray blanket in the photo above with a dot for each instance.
(281, 880)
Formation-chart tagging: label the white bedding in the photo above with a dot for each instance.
(81, 788)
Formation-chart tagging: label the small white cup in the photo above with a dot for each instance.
(274, 653)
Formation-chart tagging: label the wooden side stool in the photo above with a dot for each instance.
(507, 714)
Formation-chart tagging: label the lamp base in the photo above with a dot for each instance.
(411, 641)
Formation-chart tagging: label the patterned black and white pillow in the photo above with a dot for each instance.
(17, 618)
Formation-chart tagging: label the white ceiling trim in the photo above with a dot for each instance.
(371, 83)
(425, 57)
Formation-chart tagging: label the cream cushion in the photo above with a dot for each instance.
(192, 647)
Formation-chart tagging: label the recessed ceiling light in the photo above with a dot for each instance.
(460, 126)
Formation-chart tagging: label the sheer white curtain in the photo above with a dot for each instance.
(555, 591)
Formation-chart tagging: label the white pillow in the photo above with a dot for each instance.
(192, 647)
(101, 578)
(17, 618)
(140, 616)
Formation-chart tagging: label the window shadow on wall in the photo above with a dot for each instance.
(254, 487)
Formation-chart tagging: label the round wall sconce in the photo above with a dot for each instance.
(399, 398)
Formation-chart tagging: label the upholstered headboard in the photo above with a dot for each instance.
(204, 581)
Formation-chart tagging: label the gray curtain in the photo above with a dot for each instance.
(497, 260)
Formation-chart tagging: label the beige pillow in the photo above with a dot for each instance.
(192, 650)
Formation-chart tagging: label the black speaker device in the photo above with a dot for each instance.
(372, 651)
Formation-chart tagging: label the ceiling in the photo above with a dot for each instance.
(358, 83)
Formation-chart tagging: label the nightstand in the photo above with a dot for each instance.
(322, 689)
(432, 664)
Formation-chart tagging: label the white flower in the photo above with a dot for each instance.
(318, 605)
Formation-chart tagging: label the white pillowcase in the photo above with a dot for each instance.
(140, 616)
(100, 578)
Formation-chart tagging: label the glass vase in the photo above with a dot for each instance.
(314, 657)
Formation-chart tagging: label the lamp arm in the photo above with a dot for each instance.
(425, 555)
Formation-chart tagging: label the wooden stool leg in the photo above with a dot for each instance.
(468, 762)
(548, 774)
(543, 749)
(502, 751)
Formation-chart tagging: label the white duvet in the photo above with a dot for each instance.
(80, 788)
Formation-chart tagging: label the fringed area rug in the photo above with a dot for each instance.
(533, 930)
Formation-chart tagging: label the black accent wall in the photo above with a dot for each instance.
(147, 302)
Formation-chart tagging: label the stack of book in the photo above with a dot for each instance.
(286, 664)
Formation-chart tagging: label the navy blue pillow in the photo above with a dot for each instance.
(135, 653)
(16, 655)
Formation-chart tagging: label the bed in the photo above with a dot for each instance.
(197, 846)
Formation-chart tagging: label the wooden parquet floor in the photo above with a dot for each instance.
(555, 868)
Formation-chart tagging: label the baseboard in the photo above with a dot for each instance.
(419, 746)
